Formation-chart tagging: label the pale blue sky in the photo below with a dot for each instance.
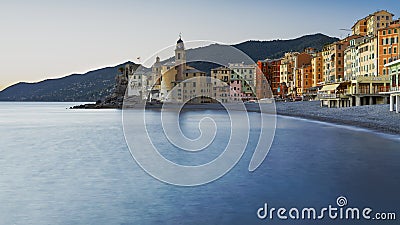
(47, 39)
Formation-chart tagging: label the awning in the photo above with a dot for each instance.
(330, 87)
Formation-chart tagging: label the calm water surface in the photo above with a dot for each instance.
(60, 166)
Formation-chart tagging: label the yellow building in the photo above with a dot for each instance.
(220, 84)
(317, 73)
(333, 59)
(368, 56)
(370, 24)
(378, 20)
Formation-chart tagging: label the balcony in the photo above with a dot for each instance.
(395, 88)
(331, 96)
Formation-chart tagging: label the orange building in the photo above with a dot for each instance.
(360, 27)
(388, 46)
(317, 72)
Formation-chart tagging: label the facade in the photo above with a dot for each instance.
(368, 56)
(247, 76)
(286, 70)
(352, 59)
(271, 70)
(360, 27)
(305, 79)
(333, 59)
(378, 20)
(388, 46)
(317, 73)
(290, 67)
(220, 84)
(235, 90)
(394, 73)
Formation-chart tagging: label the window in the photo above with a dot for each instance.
(395, 31)
(384, 32)
(389, 31)
(395, 50)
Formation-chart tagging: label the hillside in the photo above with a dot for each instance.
(91, 86)
(98, 84)
(255, 50)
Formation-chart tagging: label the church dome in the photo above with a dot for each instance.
(179, 41)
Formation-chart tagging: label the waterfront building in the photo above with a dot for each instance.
(271, 71)
(352, 59)
(317, 73)
(388, 46)
(247, 76)
(394, 91)
(289, 69)
(368, 56)
(304, 79)
(360, 27)
(235, 90)
(370, 24)
(378, 20)
(221, 84)
(286, 70)
(333, 59)
(175, 75)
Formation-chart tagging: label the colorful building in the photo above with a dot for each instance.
(333, 59)
(317, 73)
(388, 46)
(394, 73)
(289, 68)
(378, 20)
(221, 84)
(360, 27)
(247, 76)
(368, 56)
(271, 71)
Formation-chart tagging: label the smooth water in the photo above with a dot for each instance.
(61, 166)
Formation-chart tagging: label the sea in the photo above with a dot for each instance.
(63, 166)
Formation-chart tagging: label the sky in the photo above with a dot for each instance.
(49, 39)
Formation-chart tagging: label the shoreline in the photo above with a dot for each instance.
(372, 117)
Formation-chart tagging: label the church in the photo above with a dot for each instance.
(179, 82)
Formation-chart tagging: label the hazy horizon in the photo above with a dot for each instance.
(45, 39)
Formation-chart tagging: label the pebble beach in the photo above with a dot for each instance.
(374, 117)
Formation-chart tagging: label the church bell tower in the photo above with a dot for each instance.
(180, 59)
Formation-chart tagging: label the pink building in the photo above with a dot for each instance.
(236, 90)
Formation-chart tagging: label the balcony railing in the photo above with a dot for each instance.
(395, 88)
(331, 96)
